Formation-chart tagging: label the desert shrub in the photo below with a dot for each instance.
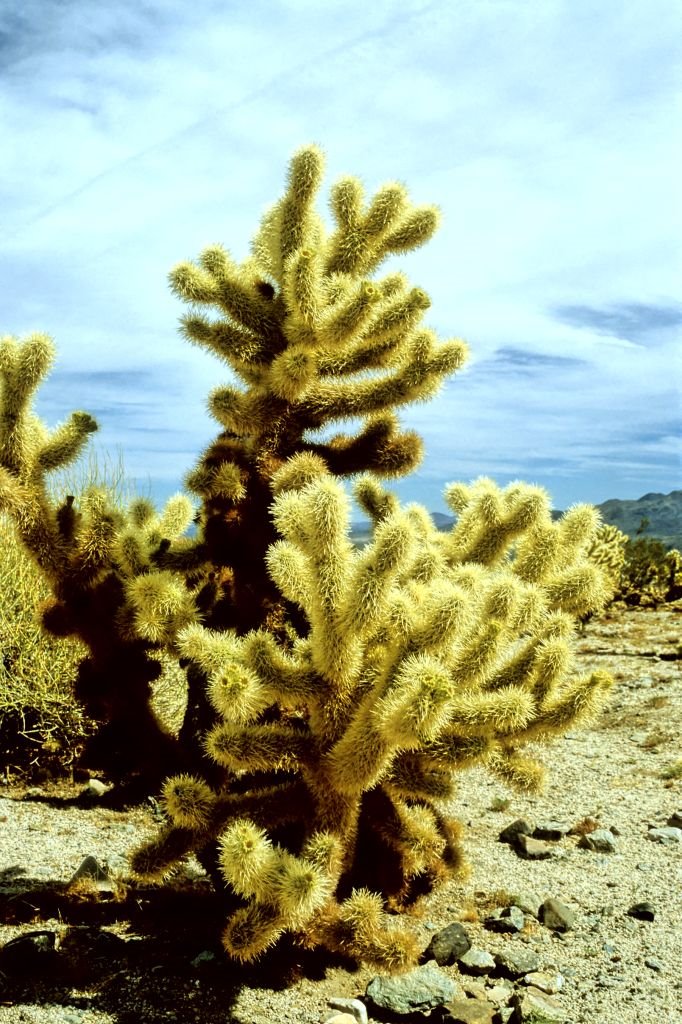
(651, 574)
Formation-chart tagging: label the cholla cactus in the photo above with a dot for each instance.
(98, 560)
(424, 653)
(333, 693)
(608, 551)
(650, 575)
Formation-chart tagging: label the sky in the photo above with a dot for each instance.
(136, 132)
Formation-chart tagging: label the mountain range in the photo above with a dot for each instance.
(653, 515)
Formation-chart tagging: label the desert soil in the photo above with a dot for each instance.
(131, 955)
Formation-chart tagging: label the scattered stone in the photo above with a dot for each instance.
(610, 949)
(517, 828)
(94, 790)
(528, 902)
(550, 830)
(341, 1018)
(352, 1007)
(474, 989)
(675, 820)
(421, 989)
(602, 840)
(532, 849)
(667, 835)
(517, 962)
(447, 945)
(505, 919)
(506, 1013)
(477, 961)
(643, 911)
(556, 915)
(654, 963)
(94, 871)
(205, 957)
(467, 1011)
(29, 954)
(499, 994)
(549, 983)
(535, 1007)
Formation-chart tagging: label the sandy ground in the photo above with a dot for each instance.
(613, 772)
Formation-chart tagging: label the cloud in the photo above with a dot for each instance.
(634, 321)
(136, 134)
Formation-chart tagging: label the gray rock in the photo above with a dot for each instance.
(477, 961)
(535, 1007)
(667, 835)
(505, 1014)
(643, 911)
(600, 841)
(556, 915)
(467, 1011)
(448, 945)
(421, 989)
(654, 963)
(353, 1007)
(532, 849)
(505, 919)
(517, 828)
(517, 962)
(97, 872)
(94, 790)
(205, 957)
(550, 830)
(549, 983)
(528, 902)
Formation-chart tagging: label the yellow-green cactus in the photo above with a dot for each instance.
(99, 561)
(333, 693)
(423, 653)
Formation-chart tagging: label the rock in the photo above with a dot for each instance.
(600, 841)
(667, 835)
(643, 911)
(352, 1007)
(517, 962)
(205, 957)
(95, 871)
(556, 915)
(517, 828)
(550, 830)
(499, 994)
(341, 1018)
(505, 919)
(654, 963)
(528, 902)
(421, 989)
(447, 945)
(475, 989)
(532, 849)
(94, 790)
(675, 820)
(467, 1011)
(534, 1007)
(477, 961)
(29, 954)
(549, 983)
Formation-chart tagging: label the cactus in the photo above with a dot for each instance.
(651, 575)
(333, 693)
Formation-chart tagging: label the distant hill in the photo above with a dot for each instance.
(663, 512)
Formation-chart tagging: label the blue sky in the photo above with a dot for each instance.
(135, 133)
